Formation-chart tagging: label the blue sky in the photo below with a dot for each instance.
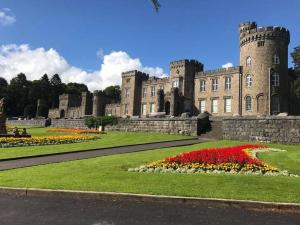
(196, 29)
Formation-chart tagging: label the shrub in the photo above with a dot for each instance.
(95, 122)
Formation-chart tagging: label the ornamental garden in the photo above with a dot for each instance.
(212, 169)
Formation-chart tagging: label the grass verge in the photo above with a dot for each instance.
(110, 139)
(110, 174)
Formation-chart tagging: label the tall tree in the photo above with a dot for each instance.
(113, 92)
(75, 88)
(57, 88)
(296, 59)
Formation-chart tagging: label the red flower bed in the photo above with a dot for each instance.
(218, 156)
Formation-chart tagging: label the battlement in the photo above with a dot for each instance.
(134, 73)
(219, 71)
(185, 62)
(156, 80)
(250, 32)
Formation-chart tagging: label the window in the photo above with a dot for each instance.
(260, 44)
(249, 80)
(227, 105)
(248, 104)
(175, 84)
(144, 92)
(275, 80)
(152, 107)
(214, 105)
(276, 59)
(126, 92)
(214, 83)
(248, 61)
(275, 106)
(202, 106)
(227, 83)
(202, 85)
(152, 91)
(126, 109)
(144, 109)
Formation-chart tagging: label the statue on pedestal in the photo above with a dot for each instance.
(2, 117)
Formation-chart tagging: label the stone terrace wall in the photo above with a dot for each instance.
(30, 123)
(184, 126)
(68, 123)
(267, 129)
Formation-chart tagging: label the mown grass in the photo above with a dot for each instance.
(110, 174)
(110, 139)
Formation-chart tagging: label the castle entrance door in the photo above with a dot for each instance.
(167, 108)
(261, 106)
(62, 114)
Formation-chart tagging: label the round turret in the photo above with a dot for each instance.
(264, 58)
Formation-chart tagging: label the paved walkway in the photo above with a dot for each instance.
(57, 210)
(62, 157)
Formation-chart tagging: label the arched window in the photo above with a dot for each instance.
(276, 59)
(275, 80)
(249, 80)
(248, 104)
(248, 61)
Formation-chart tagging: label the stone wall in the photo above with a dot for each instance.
(266, 129)
(184, 126)
(30, 123)
(68, 123)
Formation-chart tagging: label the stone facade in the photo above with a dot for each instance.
(183, 126)
(268, 129)
(260, 85)
(30, 123)
(69, 123)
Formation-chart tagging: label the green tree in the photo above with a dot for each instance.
(296, 59)
(57, 88)
(113, 92)
(75, 88)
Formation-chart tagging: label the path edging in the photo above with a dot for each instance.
(114, 196)
(94, 149)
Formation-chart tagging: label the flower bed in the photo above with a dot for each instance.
(233, 160)
(77, 131)
(46, 140)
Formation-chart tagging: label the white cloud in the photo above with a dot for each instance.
(36, 62)
(227, 65)
(6, 17)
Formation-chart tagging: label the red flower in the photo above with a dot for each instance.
(217, 156)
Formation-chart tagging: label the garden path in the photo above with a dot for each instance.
(7, 164)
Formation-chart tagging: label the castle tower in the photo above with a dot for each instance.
(86, 103)
(264, 58)
(182, 74)
(132, 92)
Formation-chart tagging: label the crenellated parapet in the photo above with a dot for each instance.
(186, 62)
(220, 71)
(133, 73)
(249, 32)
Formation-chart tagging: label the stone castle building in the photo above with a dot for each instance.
(259, 86)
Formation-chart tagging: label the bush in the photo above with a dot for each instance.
(95, 122)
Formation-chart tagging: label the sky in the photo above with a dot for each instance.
(93, 41)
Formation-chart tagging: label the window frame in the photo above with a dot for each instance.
(202, 85)
(214, 84)
(225, 105)
(202, 106)
(248, 103)
(248, 61)
(228, 84)
(214, 106)
(153, 89)
(249, 80)
(275, 81)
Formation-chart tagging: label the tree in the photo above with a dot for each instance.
(75, 88)
(113, 92)
(57, 88)
(3, 87)
(296, 60)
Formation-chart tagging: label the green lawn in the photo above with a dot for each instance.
(110, 174)
(109, 139)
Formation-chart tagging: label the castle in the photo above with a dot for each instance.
(259, 86)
